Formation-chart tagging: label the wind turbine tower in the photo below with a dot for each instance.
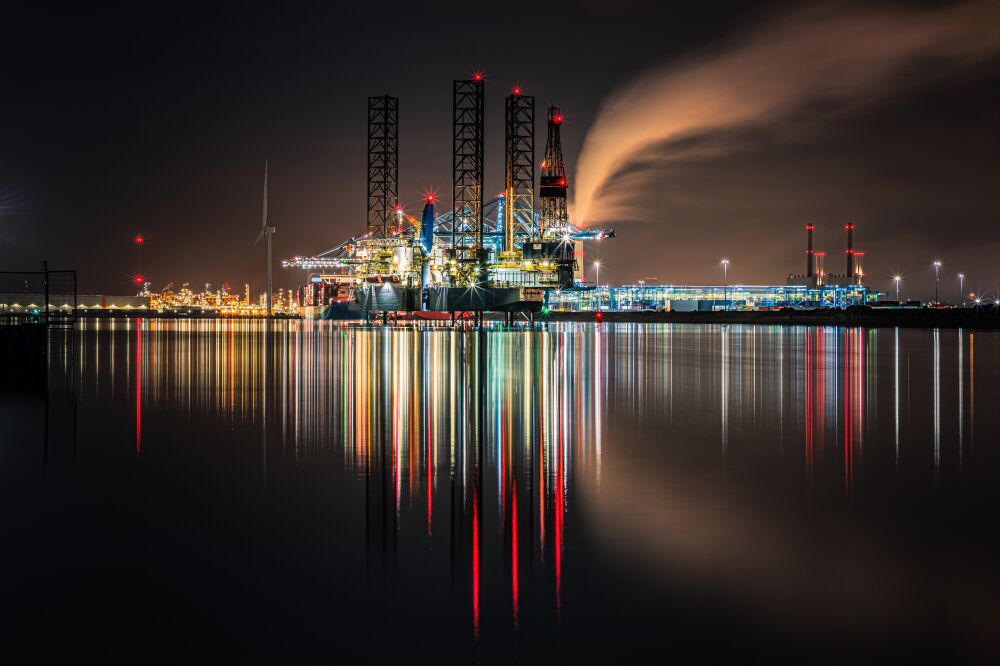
(266, 232)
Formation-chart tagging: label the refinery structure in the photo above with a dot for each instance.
(503, 254)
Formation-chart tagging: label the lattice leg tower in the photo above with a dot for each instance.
(519, 210)
(553, 216)
(383, 163)
(467, 190)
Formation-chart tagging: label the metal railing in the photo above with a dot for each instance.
(45, 298)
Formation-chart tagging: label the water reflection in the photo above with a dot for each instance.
(516, 460)
(724, 390)
(937, 403)
(417, 398)
(961, 399)
(895, 392)
(437, 415)
(138, 363)
(972, 389)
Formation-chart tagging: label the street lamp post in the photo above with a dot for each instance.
(897, 280)
(961, 288)
(937, 281)
(597, 283)
(725, 282)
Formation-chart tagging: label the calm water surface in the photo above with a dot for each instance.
(308, 491)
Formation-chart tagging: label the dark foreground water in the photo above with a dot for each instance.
(238, 491)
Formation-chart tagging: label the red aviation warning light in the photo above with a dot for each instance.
(558, 119)
(477, 76)
(517, 90)
(139, 240)
(139, 279)
(430, 197)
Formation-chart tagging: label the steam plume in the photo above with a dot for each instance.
(845, 58)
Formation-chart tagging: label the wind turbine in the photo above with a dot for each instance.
(266, 232)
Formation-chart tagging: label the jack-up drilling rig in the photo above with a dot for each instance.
(499, 254)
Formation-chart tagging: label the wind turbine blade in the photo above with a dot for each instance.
(263, 223)
(259, 236)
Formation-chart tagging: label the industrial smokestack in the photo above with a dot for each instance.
(427, 224)
(427, 244)
(850, 250)
(809, 251)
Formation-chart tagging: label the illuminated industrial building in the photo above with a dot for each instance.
(679, 298)
(814, 289)
(22, 304)
(222, 302)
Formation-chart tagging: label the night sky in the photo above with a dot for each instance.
(134, 119)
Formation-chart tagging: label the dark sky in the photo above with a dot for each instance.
(136, 119)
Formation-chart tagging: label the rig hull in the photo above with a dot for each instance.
(389, 297)
(340, 311)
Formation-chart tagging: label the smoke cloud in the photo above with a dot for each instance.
(818, 61)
